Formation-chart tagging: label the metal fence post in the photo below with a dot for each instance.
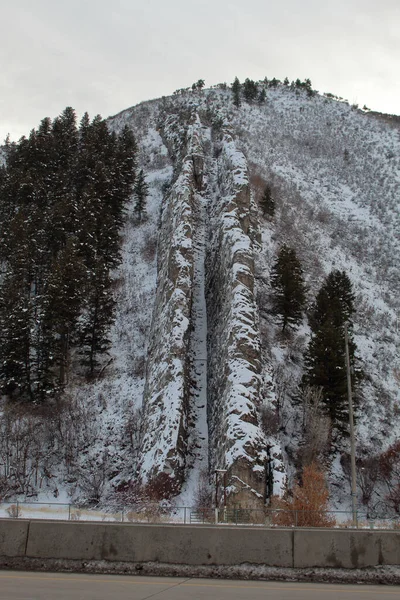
(69, 512)
(184, 516)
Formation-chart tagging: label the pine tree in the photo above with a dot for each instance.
(334, 302)
(236, 87)
(97, 318)
(250, 90)
(274, 82)
(66, 284)
(141, 191)
(16, 320)
(325, 365)
(262, 96)
(289, 289)
(63, 193)
(124, 172)
(267, 202)
(308, 87)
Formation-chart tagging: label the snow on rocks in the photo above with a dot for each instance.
(166, 398)
(237, 442)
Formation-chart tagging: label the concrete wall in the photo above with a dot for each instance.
(201, 545)
(345, 549)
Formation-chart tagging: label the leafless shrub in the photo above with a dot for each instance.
(92, 478)
(316, 427)
(161, 487)
(139, 503)
(132, 429)
(257, 183)
(389, 472)
(295, 347)
(204, 493)
(370, 473)
(5, 488)
(367, 477)
(285, 388)
(306, 505)
(13, 511)
(138, 366)
(324, 216)
(149, 249)
(26, 451)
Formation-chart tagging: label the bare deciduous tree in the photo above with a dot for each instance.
(316, 427)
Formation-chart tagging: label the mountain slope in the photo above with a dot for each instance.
(335, 175)
(199, 375)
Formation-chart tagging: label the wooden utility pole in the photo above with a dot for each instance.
(351, 422)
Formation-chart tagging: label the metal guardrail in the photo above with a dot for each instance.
(186, 515)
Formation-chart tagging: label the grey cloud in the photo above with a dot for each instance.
(105, 56)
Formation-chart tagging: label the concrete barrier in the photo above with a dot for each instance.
(171, 544)
(348, 549)
(198, 545)
(13, 537)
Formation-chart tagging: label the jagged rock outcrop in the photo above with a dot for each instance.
(167, 390)
(236, 441)
(234, 377)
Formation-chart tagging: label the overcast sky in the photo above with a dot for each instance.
(103, 56)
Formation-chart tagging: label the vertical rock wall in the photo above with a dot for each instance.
(167, 391)
(236, 441)
(234, 378)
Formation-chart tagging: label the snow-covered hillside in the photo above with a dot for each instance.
(194, 341)
(335, 174)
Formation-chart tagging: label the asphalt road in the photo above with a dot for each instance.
(65, 586)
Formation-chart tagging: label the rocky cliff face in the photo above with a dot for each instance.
(233, 394)
(186, 342)
(166, 400)
(234, 385)
(334, 175)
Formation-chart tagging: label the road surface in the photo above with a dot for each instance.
(65, 586)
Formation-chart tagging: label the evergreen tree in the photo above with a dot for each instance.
(124, 172)
(274, 82)
(236, 87)
(66, 284)
(289, 288)
(141, 191)
(62, 198)
(97, 318)
(334, 302)
(308, 87)
(267, 202)
(262, 96)
(325, 365)
(250, 90)
(16, 320)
